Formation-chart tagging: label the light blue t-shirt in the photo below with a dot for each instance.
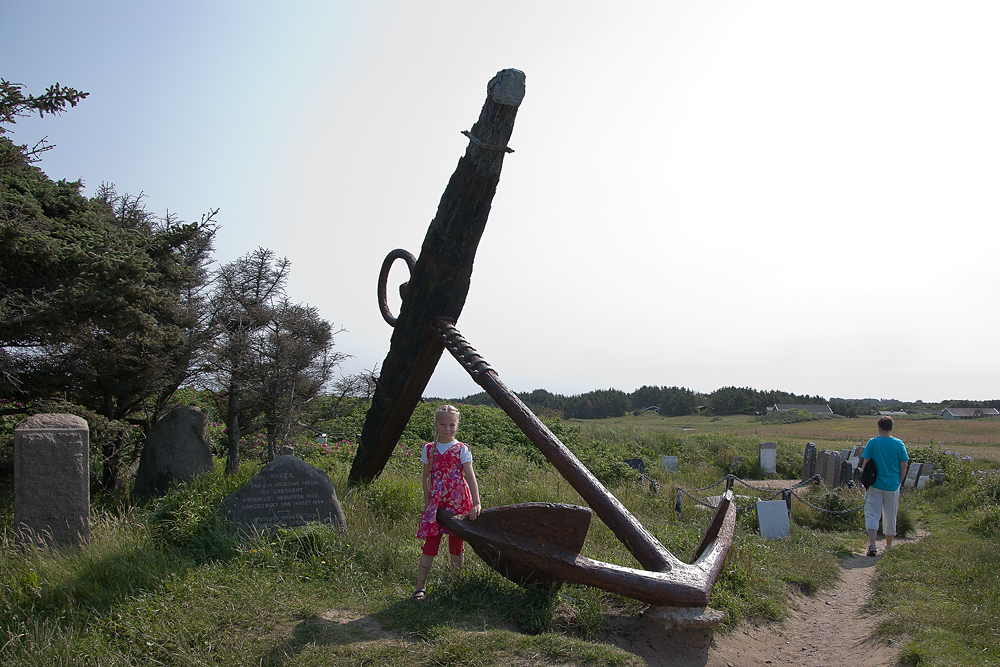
(888, 455)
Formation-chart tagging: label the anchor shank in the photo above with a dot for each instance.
(640, 542)
(441, 276)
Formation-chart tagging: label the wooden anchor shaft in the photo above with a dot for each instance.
(440, 277)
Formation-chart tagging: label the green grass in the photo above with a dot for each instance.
(168, 582)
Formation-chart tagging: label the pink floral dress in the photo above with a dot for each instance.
(449, 489)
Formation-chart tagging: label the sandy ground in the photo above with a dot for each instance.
(823, 630)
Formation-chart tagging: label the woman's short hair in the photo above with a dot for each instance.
(447, 410)
(885, 423)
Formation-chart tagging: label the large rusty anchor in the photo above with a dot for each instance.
(534, 542)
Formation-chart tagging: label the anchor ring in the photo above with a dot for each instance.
(383, 277)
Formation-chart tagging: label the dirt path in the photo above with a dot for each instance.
(824, 630)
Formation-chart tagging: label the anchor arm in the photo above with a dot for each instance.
(640, 542)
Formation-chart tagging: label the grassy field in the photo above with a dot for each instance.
(979, 438)
(169, 582)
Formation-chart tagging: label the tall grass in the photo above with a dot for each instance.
(169, 582)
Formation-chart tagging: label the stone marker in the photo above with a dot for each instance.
(809, 461)
(845, 454)
(636, 464)
(821, 464)
(52, 480)
(288, 492)
(176, 450)
(832, 469)
(911, 475)
(846, 473)
(669, 463)
(858, 451)
(768, 455)
(772, 519)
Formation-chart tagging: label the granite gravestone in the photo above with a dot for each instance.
(176, 450)
(846, 473)
(809, 461)
(669, 463)
(821, 459)
(288, 492)
(832, 477)
(52, 480)
(911, 475)
(768, 457)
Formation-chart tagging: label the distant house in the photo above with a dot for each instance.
(891, 413)
(969, 413)
(823, 409)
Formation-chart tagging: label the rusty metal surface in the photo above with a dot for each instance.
(646, 549)
(540, 526)
(665, 581)
(538, 560)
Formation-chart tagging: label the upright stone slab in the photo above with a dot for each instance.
(845, 454)
(809, 461)
(288, 492)
(772, 519)
(821, 463)
(833, 469)
(767, 453)
(52, 480)
(846, 473)
(176, 450)
(911, 475)
(669, 463)
(636, 464)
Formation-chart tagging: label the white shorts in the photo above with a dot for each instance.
(881, 503)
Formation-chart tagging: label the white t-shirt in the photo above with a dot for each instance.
(464, 456)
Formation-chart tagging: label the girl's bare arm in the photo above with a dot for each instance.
(470, 479)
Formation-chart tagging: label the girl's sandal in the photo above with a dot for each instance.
(419, 595)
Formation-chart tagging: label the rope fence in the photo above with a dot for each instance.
(730, 480)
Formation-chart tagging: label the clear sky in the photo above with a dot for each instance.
(787, 195)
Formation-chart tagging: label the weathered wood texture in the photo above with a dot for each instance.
(441, 276)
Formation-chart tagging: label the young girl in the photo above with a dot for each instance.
(450, 483)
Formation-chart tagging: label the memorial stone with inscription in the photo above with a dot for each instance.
(52, 480)
(288, 492)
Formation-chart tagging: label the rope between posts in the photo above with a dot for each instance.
(825, 511)
(730, 479)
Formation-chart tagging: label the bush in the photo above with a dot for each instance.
(833, 500)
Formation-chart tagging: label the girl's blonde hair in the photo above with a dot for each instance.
(448, 410)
